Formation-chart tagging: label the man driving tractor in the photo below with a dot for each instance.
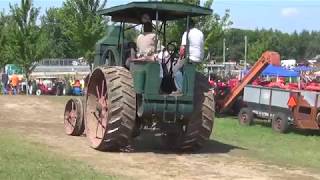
(196, 46)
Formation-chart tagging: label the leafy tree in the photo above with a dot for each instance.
(59, 45)
(176, 29)
(213, 27)
(82, 26)
(3, 40)
(26, 43)
(256, 49)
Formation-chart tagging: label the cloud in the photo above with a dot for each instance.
(289, 12)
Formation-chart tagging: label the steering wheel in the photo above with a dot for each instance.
(172, 48)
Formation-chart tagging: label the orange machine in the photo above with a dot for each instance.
(268, 57)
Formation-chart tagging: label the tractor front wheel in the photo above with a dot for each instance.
(111, 108)
(73, 117)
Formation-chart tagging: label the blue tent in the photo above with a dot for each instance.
(302, 68)
(279, 71)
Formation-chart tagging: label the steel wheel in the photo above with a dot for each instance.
(98, 110)
(73, 117)
(111, 108)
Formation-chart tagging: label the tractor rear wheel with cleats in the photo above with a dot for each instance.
(111, 108)
(196, 129)
(73, 117)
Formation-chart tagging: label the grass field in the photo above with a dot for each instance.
(259, 141)
(23, 160)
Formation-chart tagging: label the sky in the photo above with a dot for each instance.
(284, 15)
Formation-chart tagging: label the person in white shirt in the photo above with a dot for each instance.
(145, 42)
(196, 43)
(196, 53)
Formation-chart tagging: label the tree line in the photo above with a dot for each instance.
(300, 46)
(72, 31)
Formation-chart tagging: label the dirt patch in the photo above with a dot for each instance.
(40, 119)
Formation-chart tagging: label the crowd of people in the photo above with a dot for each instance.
(15, 84)
(10, 85)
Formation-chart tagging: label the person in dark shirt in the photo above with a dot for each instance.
(4, 82)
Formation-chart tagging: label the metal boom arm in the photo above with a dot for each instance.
(268, 57)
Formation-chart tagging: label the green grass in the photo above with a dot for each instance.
(294, 148)
(23, 160)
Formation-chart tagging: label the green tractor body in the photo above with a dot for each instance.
(122, 99)
(147, 82)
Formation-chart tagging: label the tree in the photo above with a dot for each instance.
(3, 40)
(299, 46)
(256, 49)
(59, 45)
(213, 27)
(26, 43)
(176, 29)
(82, 26)
(4, 23)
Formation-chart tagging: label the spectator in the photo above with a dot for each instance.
(4, 82)
(15, 83)
(77, 84)
(82, 82)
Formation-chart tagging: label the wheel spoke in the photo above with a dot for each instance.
(97, 128)
(99, 123)
(98, 93)
(102, 90)
(72, 106)
(102, 129)
(68, 118)
(95, 115)
(70, 122)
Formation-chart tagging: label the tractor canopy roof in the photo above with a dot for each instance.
(132, 12)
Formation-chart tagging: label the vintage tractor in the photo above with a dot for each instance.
(122, 100)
